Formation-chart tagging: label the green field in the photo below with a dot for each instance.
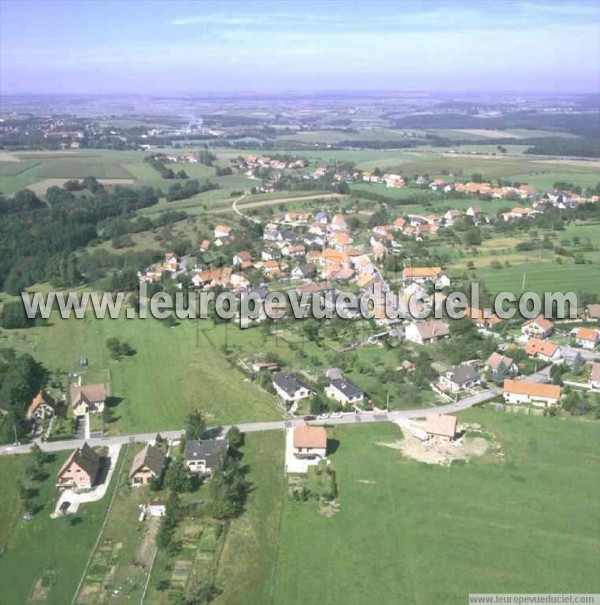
(43, 558)
(540, 173)
(174, 370)
(542, 277)
(249, 560)
(410, 533)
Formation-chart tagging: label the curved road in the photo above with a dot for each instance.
(252, 427)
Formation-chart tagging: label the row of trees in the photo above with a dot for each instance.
(21, 377)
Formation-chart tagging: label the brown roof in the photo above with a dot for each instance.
(422, 272)
(93, 393)
(86, 458)
(535, 346)
(441, 424)
(306, 435)
(496, 359)
(150, 457)
(542, 322)
(533, 389)
(41, 397)
(433, 328)
(586, 334)
(593, 311)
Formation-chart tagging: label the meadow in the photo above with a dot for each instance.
(411, 533)
(173, 371)
(542, 277)
(43, 559)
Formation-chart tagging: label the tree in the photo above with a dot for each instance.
(37, 453)
(177, 477)
(578, 364)
(13, 316)
(118, 348)
(318, 405)
(204, 592)
(195, 425)
(235, 438)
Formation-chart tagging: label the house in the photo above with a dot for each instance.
(473, 211)
(304, 271)
(157, 508)
(205, 245)
(499, 366)
(480, 319)
(539, 327)
(426, 332)
(542, 349)
(309, 441)
(289, 388)
(88, 399)
(202, 456)
(592, 312)
(423, 275)
(148, 463)
(41, 407)
(536, 393)
(595, 376)
(80, 470)
(441, 427)
(270, 254)
(171, 262)
(265, 366)
(223, 232)
(344, 391)
(586, 338)
(451, 217)
(242, 258)
(462, 376)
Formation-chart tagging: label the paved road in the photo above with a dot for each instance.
(253, 427)
(569, 353)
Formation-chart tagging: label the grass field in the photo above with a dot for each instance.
(540, 173)
(542, 277)
(44, 558)
(174, 370)
(410, 533)
(249, 559)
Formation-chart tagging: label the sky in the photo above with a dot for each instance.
(186, 47)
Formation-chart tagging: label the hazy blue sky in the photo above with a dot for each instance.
(155, 46)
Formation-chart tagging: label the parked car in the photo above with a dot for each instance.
(309, 417)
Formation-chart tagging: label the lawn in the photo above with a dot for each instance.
(44, 558)
(173, 371)
(410, 533)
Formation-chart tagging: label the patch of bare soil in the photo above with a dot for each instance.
(39, 593)
(328, 509)
(8, 157)
(473, 443)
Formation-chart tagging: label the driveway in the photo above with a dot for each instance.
(76, 498)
